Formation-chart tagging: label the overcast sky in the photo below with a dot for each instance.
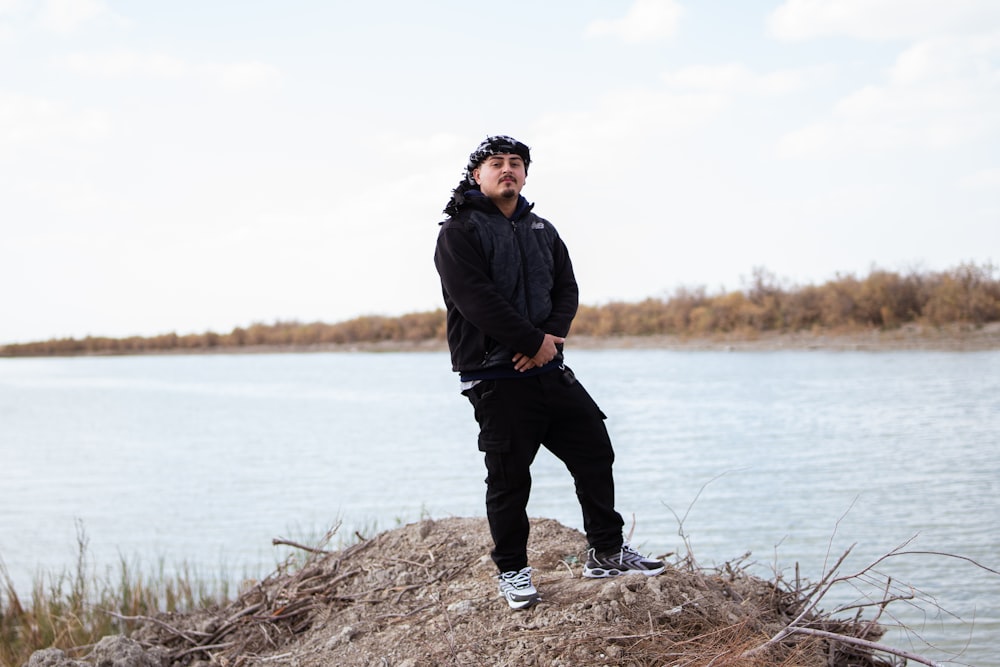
(199, 165)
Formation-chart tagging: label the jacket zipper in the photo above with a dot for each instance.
(524, 272)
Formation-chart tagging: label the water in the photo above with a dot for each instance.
(793, 456)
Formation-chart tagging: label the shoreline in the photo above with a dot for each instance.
(911, 337)
(952, 338)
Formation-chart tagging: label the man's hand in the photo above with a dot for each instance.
(546, 353)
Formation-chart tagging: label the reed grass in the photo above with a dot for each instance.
(74, 609)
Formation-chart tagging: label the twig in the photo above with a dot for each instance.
(681, 519)
(281, 541)
(244, 612)
(291, 610)
(864, 643)
(315, 550)
(645, 635)
(272, 658)
(947, 555)
(398, 617)
(836, 527)
(206, 649)
(156, 621)
(887, 598)
(823, 587)
(411, 562)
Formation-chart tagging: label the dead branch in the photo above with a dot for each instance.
(206, 649)
(394, 618)
(864, 643)
(681, 519)
(824, 586)
(411, 562)
(836, 527)
(327, 536)
(812, 599)
(165, 626)
(947, 555)
(279, 541)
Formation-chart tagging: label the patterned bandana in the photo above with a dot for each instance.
(497, 145)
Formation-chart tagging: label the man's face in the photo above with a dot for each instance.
(501, 176)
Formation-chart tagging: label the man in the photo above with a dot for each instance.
(511, 296)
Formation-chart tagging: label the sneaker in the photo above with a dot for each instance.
(516, 588)
(624, 561)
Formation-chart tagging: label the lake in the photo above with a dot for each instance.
(794, 456)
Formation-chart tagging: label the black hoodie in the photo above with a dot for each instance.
(506, 283)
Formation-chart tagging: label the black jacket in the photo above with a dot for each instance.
(506, 283)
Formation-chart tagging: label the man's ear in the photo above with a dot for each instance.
(475, 175)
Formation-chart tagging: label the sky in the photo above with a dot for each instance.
(192, 166)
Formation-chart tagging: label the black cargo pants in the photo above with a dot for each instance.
(515, 417)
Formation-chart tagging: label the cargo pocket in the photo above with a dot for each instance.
(494, 427)
(493, 445)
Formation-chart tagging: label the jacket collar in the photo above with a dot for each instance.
(478, 200)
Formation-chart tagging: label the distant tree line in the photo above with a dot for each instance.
(968, 294)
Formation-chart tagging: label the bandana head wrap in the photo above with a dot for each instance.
(496, 145)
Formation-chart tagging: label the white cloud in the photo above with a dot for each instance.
(985, 179)
(66, 16)
(63, 196)
(942, 59)
(54, 16)
(940, 93)
(738, 78)
(626, 120)
(436, 145)
(240, 75)
(646, 20)
(9, 9)
(25, 119)
(880, 19)
(10, 6)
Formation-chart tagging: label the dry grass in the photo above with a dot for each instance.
(74, 610)
(967, 296)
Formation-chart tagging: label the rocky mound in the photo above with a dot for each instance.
(425, 594)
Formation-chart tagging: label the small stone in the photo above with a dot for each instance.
(610, 591)
(120, 651)
(462, 607)
(346, 634)
(52, 657)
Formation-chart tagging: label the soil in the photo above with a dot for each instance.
(950, 338)
(425, 594)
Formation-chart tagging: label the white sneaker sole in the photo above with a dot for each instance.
(601, 573)
(517, 602)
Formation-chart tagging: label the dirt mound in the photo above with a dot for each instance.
(425, 594)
